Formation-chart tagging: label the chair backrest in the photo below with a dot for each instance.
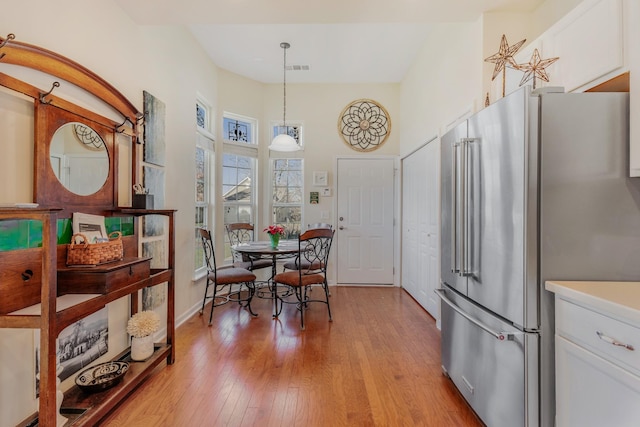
(319, 225)
(209, 253)
(314, 246)
(239, 232)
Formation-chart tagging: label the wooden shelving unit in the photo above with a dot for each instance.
(53, 312)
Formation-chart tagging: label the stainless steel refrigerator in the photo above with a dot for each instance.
(534, 187)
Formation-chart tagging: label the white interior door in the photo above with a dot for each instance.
(365, 253)
(420, 226)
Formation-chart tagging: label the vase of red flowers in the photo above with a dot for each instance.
(274, 231)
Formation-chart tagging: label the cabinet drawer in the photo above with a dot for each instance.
(598, 332)
(103, 279)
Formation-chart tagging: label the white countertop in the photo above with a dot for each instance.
(621, 299)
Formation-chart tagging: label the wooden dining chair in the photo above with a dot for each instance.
(242, 232)
(313, 254)
(235, 281)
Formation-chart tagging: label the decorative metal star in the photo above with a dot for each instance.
(535, 68)
(504, 57)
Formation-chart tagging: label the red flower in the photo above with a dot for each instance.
(275, 229)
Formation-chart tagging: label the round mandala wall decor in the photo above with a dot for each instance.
(364, 125)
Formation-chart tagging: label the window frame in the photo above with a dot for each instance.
(205, 141)
(247, 149)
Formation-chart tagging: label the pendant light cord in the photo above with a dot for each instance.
(285, 46)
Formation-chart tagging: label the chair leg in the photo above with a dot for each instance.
(251, 289)
(204, 299)
(213, 302)
(326, 294)
(303, 304)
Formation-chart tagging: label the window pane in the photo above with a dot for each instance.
(295, 164)
(229, 160)
(295, 195)
(280, 178)
(244, 214)
(279, 164)
(289, 218)
(230, 214)
(201, 116)
(237, 130)
(243, 162)
(199, 251)
(287, 195)
(201, 216)
(243, 175)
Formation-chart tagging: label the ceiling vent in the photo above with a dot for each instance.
(297, 68)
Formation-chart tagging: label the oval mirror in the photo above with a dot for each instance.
(79, 158)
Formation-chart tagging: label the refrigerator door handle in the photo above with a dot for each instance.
(454, 208)
(501, 336)
(466, 269)
(463, 207)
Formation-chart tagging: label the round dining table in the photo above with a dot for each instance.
(263, 249)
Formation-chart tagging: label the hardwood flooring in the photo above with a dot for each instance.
(376, 364)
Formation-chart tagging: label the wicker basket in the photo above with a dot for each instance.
(94, 253)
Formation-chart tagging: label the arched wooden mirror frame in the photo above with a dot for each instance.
(48, 189)
(51, 112)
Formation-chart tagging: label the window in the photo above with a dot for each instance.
(237, 191)
(238, 129)
(239, 183)
(203, 178)
(287, 186)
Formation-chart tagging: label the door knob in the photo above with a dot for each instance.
(341, 228)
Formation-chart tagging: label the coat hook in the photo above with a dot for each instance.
(140, 121)
(10, 36)
(44, 95)
(126, 119)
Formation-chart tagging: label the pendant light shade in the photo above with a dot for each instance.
(283, 141)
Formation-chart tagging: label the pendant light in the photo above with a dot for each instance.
(283, 141)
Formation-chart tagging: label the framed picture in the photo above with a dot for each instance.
(320, 178)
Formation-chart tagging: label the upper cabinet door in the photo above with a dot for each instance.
(590, 44)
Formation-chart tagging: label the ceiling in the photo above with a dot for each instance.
(341, 41)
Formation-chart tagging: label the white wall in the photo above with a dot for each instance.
(443, 83)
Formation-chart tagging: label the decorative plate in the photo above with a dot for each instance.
(364, 125)
(101, 377)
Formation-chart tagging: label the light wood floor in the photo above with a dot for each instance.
(376, 364)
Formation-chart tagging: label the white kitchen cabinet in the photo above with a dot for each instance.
(597, 353)
(590, 391)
